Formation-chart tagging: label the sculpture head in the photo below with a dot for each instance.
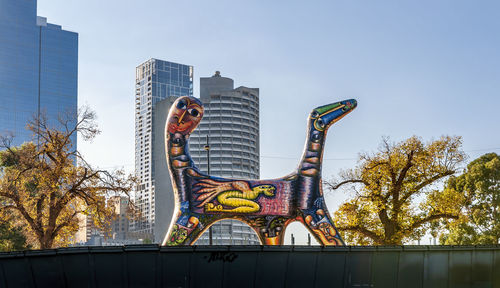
(324, 116)
(266, 189)
(185, 115)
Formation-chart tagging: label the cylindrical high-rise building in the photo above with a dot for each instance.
(231, 121)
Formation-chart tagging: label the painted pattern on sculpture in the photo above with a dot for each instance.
(268, 206)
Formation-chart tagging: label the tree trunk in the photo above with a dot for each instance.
(46, 241)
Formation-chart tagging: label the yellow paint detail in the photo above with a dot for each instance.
(242, 201)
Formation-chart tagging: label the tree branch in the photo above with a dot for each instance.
(338, 185)
(425, 183)
(39, 209)
(431, 218)
(364, 231)
(396, 188)
(65, 223)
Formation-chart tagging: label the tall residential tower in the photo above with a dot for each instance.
(158, 84)
(38, 69)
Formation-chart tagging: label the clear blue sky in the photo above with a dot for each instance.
(425, 68)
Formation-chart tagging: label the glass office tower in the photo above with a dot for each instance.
(38, 69)
(158, 84)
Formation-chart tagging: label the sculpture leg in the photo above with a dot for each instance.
(183, 231)
(187, 227)
(320, 224)
(267, 239)
(270, 231)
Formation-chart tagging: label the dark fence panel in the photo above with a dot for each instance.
(253, 266)
(411, 269)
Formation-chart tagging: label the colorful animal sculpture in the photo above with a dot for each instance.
(268, 206)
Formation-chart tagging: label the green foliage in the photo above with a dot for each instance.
(11, 238)
(395, 198)
(480, 186)
(8, 160)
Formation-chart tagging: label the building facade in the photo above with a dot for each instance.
(38, 69)
(231, 122)
(89, 234)
(120, 225)
(158, 84)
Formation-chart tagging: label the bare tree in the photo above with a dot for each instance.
(48, 184)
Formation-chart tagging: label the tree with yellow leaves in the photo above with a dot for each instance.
(47, 184)
(395, 194)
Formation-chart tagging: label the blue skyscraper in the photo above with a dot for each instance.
(38, 69)
(158, 84)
